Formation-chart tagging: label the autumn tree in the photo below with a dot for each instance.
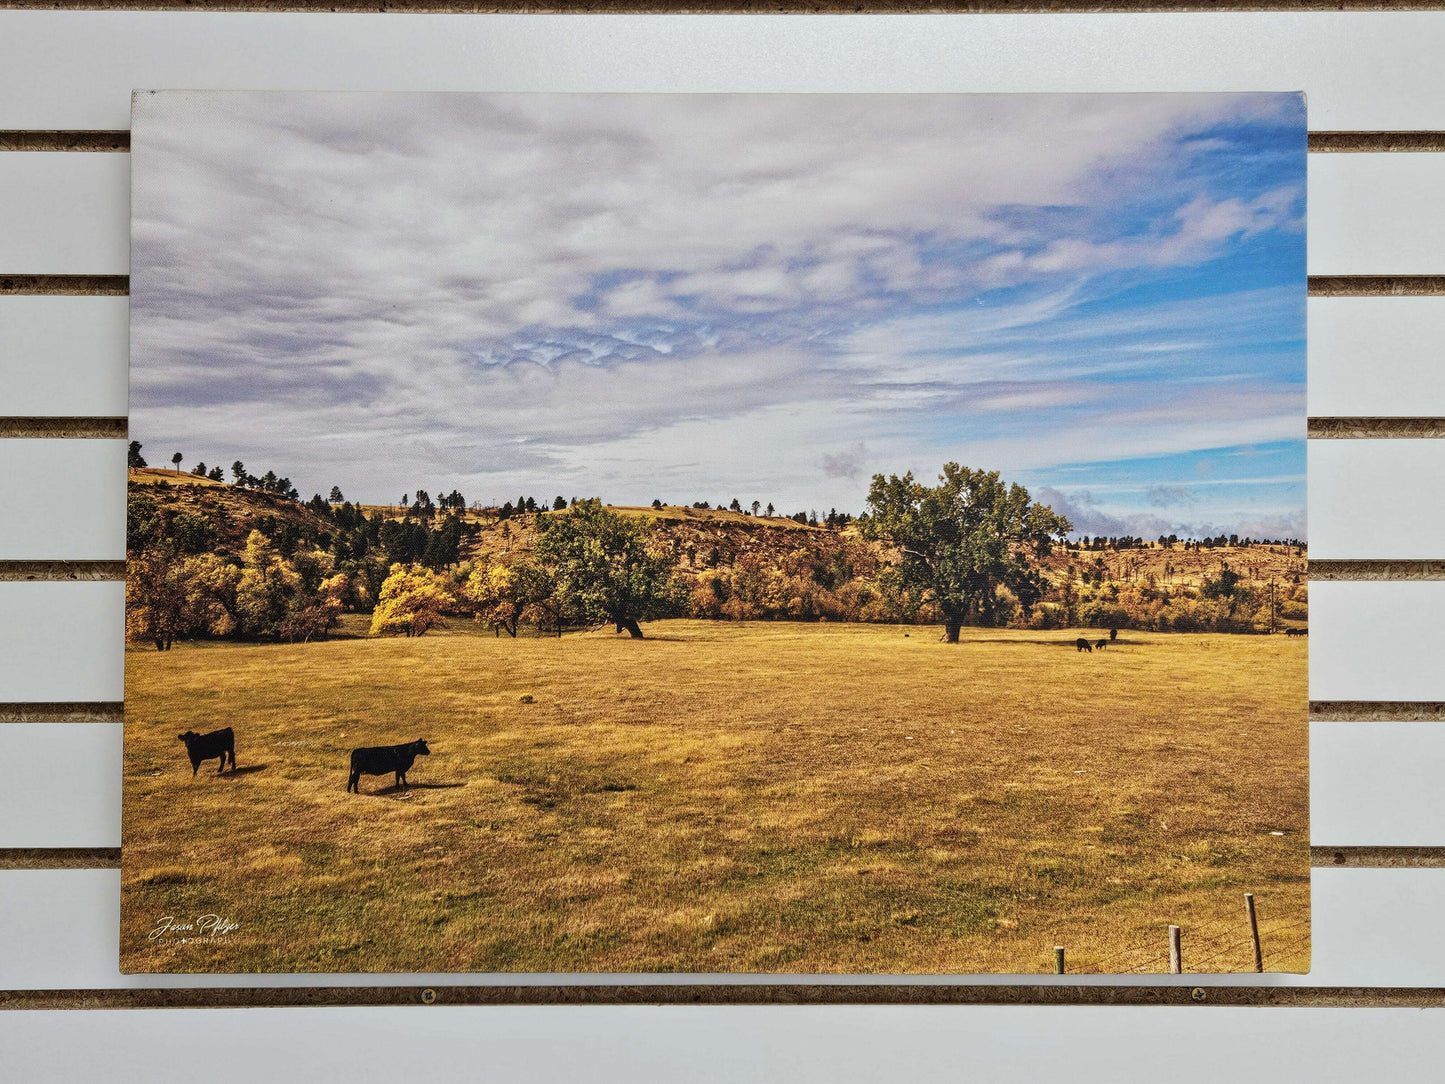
(411, 601)
(266, 587)
(155, 598)
(606, 566)
(504, 593)
(961, 540)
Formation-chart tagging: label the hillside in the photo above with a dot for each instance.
(691, 534)
(221, 516)
(733, 565)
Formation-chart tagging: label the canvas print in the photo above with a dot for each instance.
(715, 534)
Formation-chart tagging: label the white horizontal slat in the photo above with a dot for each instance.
(1376, 640)
(1368, 213)
(64, 213)
(1368, 499)
(62, 786)
(1368, 356)
(59, 929)
(1376, 214)
(1376, 356)
(63, 499)
(61, 641)
(799, 1044)
(1371, 784)
(1372, 499)
(1377, 784)
(63, 356)
(1361, 71)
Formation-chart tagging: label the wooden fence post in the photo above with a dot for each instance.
(1058, 959)
(1254, 930)
(1176, 957)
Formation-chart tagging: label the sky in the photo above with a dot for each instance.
(702, 297)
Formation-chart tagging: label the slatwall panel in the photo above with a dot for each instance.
(1377, 540)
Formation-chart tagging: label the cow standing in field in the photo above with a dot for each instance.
(1083, 645)
(1102, 644)
(218, 743)
(1113, 635)
(380, 759)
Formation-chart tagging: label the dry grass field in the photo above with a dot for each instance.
(719, 797)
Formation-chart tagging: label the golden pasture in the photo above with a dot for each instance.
(720, 797)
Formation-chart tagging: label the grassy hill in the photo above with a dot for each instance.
(733, 565)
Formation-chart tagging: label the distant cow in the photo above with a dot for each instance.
(1296, 632)
(380, 759)
(1083, 645)
(1102, 644)
(1113, 634)
(218, 743)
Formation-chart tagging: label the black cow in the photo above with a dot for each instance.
(1296, 632)
(380, 759)
(1102, 644)
(218, 743)
(1083, 645)
(1113, 634)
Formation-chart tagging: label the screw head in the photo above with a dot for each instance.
(1197, 994)
(428, 996)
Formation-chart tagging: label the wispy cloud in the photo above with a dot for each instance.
(715, 293)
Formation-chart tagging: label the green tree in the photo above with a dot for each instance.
(176, 459)
(963, 539)
(133, 457)
(605, 565)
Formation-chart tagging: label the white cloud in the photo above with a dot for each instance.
(514, 289)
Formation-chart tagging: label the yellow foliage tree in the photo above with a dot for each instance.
(503, 594)
(265, 589)
(155, 599)
(412, 600)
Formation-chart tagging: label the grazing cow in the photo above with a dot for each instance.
(1083, 645)
(1296, 632)
(1113, 634)
(380, 759)
(1102, 644)
(218, 743)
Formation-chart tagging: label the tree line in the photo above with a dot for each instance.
(969, 550)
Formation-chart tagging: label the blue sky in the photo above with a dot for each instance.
(701, 297)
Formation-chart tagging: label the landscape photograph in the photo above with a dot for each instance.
(716, 534)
